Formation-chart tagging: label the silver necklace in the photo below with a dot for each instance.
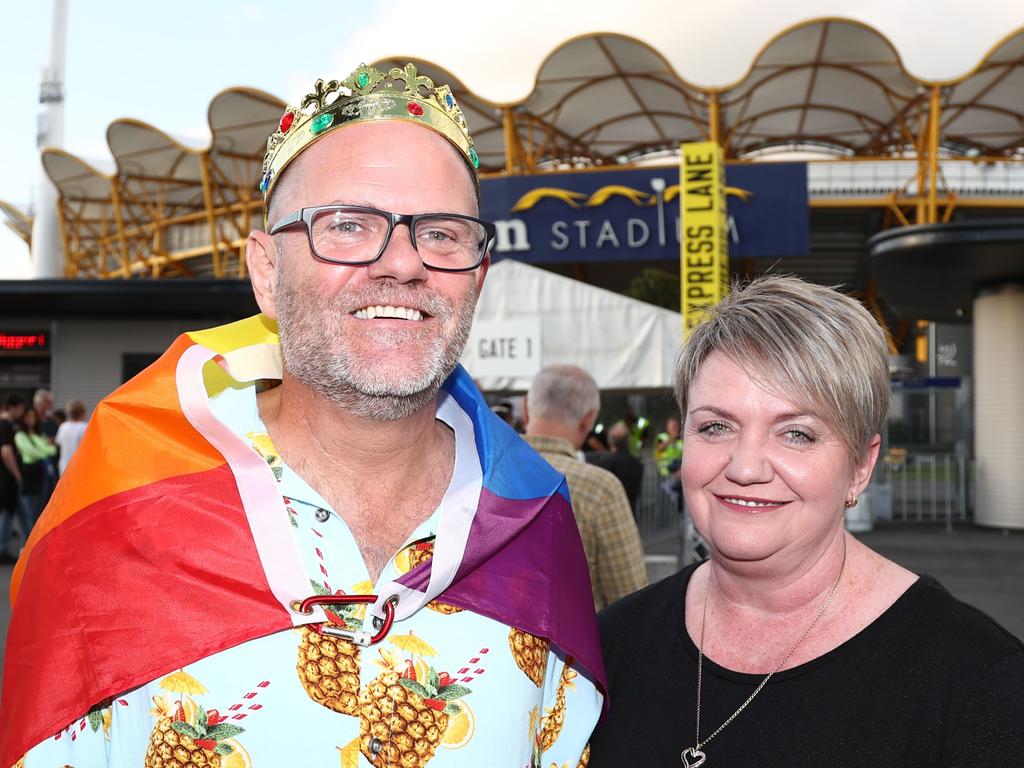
(691, 757)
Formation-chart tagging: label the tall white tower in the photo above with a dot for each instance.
(47, 249)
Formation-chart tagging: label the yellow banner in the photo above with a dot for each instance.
(703, 241)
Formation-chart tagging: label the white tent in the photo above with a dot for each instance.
(528, 318)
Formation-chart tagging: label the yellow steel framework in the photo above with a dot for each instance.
(167, 209)
(17, 221)
(600, 100)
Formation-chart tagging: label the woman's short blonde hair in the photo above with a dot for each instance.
(814, 346)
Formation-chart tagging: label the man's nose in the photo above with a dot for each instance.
(400, 260)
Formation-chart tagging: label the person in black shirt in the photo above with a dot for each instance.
(794, 644)
(42, 404)
(620, 462)
(10, 473)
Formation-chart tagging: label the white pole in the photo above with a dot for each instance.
(47, 250)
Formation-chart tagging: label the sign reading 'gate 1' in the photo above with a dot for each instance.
(704, 251)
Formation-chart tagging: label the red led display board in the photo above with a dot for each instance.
(18, 341)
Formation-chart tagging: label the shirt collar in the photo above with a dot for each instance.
(548, 444)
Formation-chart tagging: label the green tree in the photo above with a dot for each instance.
(656, 286)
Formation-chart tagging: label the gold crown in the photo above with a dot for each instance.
(364, 96)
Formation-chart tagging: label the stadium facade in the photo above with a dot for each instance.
(842, 167)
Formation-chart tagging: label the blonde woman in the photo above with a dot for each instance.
(794, 644)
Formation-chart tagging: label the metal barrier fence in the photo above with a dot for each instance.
(921, 487)
(657, 513)
(907, 487)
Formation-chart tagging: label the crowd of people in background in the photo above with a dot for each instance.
(604, 467)
(621, 462)
(621, 449)
(560, 410)
(36, 444)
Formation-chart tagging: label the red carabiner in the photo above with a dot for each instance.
(359, 637)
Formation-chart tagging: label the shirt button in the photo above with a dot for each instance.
(322, 515)
(375, 745)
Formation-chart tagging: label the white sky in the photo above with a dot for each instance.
(164, 62)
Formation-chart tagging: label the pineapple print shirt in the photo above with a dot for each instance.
(447, 687)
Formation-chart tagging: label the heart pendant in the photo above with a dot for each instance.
(692, 757)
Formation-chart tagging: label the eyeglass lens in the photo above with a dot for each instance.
(353, 235)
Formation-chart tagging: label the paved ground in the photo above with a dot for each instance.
(979, 566)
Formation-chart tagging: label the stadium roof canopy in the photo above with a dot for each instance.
(17, 220)
(830, 85)
(166, 195)
(984, 111)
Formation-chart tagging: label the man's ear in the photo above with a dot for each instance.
(588, 422)
(482, 272)
(261, 259)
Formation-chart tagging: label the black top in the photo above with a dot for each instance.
(48, 427)
(932, 682)
(32, 476)
(625, 466)
(8, 485)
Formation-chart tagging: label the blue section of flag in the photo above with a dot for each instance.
(511, 468)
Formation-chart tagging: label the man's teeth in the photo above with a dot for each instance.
(400, 313)
(749, 503)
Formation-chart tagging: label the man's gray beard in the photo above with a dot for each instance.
(309, 326)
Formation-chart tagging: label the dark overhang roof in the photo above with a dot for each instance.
(148, 299)
(935, 271)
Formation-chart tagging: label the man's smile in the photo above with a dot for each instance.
(389, 312)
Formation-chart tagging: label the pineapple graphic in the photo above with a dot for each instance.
(584, 760)
(544, 731)
(417, 554)
(328, 666)
(552, 722)
(200, 739)
(187, 735)
(264, 446)
(530, 653)
(402, 720)
(101, 716)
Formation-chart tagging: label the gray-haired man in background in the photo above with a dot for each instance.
(561, 408)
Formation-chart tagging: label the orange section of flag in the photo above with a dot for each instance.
(136, 436)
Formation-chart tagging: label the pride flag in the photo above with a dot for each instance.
(160, 545)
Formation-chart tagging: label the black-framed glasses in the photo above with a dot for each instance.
(355, 235)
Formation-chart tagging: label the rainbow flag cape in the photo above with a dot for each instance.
(164, 522)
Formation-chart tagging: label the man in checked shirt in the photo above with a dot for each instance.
(561, 409)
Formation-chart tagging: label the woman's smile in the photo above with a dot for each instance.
(749, 505)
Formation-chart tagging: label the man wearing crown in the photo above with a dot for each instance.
(304, 537)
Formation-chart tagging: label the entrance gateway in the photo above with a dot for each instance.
(972, 271)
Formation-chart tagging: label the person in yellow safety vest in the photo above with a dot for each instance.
(668, 446)
(638, 431)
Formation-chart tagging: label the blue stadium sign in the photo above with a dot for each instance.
(634, 214)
